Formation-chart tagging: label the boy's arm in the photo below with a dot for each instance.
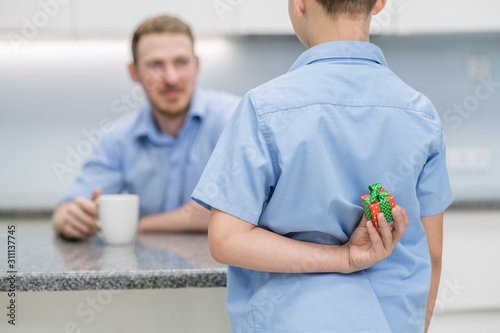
(434, 229)
(236, 242)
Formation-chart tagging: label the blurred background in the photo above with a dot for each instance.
(63, 73)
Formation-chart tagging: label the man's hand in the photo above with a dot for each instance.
(369, 245)
(77, 219)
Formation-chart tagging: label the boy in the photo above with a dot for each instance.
(285, 180)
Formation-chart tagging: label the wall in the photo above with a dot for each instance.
(53, 92)
(451, 71)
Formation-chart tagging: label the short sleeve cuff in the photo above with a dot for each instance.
(436, 208)
(203, 200)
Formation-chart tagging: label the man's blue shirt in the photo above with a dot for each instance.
(295, 158)
(163, 170)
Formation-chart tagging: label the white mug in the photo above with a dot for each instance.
(118, 217)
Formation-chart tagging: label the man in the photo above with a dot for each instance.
(303, 149)
(160, 152)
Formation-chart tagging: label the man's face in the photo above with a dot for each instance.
(167, 69)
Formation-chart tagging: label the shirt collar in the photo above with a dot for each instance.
(146, 126)
(341, 50)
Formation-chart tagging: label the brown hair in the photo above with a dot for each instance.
(160, 24)
(352, 8)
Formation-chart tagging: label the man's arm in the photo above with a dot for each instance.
(77, 217)
(190, 217)
(238, 243)
(434, 229)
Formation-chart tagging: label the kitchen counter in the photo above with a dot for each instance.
(45, 262)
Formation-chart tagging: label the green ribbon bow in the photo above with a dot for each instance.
(384, 202)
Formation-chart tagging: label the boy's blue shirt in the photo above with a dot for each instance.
(296, 156)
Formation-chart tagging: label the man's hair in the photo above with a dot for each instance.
(352, 8)
(160, 24)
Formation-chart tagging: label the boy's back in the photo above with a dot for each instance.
(338, 122)
(293, 162)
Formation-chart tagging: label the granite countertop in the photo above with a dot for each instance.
(49, 263)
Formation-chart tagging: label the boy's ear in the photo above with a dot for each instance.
(299, 7)
(379, 6)
(132, 70)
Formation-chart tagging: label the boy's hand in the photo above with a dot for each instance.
(369, 245)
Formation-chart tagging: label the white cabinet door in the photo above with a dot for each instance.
(469, 279)
(31, 18)
(261, 17)
(444, 16)
(271, 17)
(94, 16)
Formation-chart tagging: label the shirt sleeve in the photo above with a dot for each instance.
(239, 176)
(433, 187)
(102, 170)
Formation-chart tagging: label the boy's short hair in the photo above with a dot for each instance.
(352, 8)
(160, 24)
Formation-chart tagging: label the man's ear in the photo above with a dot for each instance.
(299, 7)
(379, 6)
(132, 70)
(197, 59)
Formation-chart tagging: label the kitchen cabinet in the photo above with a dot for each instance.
(160, 283)
(92, 18)
(469, 278)
(271, 17)
(447, 16)
(205, 17)
(398, 17)
(265, 17)
(29, 19)
(261, 17)
(468, 298)
(117, 16)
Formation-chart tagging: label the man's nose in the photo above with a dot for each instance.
(171, 76)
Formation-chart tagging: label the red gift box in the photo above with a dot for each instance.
(374, 208)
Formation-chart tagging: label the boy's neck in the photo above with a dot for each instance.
(318, 27)
(342, 29)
